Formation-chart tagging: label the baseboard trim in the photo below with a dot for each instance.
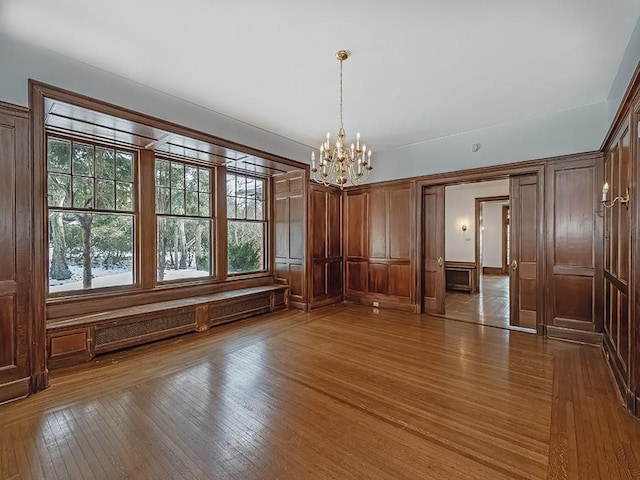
(315, 304)
(492, 271)
(571, 335)
(15, 390)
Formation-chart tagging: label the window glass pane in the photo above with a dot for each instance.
(82, 192)
(204, 180)
(124, 196)
(191, 178)
(240, 186)
(251, 209)
(59, 190)
(163, 169)
(259, 190)
(251, 187)
(83, 159)
(259, 211)
(163, 200)
(184, 248)
(124, 167)
(58, 155)
(205, 207)
(231, 207)
(245, 247)
(105, 163)
(177, 175)
(241, 207)
(105, 194)
(192, 203)
(231, 185)
(89, 250)
(177, 202)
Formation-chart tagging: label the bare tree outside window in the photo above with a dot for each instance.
(247, 226)
(91, 206)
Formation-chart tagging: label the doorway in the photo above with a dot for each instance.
(477, 278)
(470, 246)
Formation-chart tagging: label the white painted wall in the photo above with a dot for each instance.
(492, 234)
(460, 205)
(21, 62)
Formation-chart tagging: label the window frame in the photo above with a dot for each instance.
(265, 221)
(214, 274)
(134, 213)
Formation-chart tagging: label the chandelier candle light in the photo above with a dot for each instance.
(339, 164)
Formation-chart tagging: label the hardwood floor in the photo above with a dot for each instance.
(340, 393)
(489, 307)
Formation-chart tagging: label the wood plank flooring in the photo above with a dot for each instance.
(488, 307)
(339, 393)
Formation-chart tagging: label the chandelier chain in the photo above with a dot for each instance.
(341, 122)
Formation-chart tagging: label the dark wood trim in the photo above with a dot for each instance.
(579, 336)
(492, 271)
(481, 174)
(57, 93)
(220, 225)
(146, 248)
(40, 244)
(611, 357)
(542, 320)
(12, 391)
(478, 213)
(15, 110)
(505, 239)
(384, 301)
(316, 304)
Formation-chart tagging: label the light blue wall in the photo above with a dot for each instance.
(625, 72)
(572, 131)
(21, 61)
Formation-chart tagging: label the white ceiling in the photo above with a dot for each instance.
(419, 70)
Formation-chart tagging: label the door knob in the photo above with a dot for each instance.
(514, 264)
(439, 261)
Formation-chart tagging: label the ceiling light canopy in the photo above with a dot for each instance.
(340, 165)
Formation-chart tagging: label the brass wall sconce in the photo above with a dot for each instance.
(463, 227)
(605, 193)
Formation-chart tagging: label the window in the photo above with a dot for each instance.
(184, 220)
(91, 207)
(246, 214)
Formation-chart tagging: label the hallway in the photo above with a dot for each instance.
(489, 307)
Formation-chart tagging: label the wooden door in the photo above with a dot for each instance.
(433, 281)
(523, 271)
(15, 266)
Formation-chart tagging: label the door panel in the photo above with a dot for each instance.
(523, 271)
(15, 266)
(433, 283)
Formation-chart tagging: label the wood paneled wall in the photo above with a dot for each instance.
(574, 248)
(21, 340)
(290, 220)
(380, 241)
(620, 323)
(325, 245)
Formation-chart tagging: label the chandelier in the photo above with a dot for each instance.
(340, 164)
